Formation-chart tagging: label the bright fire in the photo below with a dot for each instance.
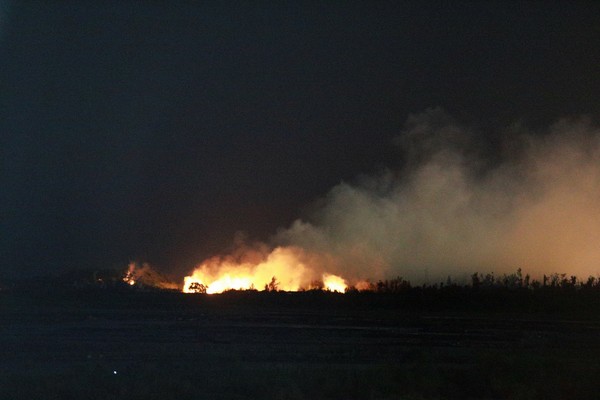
(334, 283)
(282, 269)
(129, 277)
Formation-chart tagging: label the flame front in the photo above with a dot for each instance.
(283, 268)
(334, 283)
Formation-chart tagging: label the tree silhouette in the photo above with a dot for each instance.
(272, 286)
(196, 287)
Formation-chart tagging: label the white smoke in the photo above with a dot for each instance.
(455, 210)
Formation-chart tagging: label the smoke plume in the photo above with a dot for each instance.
(460, 205)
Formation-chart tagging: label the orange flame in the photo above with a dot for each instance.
(129, 277)
(283, 268)
(145, 276)
(334, 283)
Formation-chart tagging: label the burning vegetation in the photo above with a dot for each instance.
(222, 275)
(455, 207)
(284, 268)
(145, 276)
(451, 210)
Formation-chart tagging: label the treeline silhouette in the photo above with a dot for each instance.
(513, 281)
(556, 293)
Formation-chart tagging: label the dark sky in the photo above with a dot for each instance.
(156, 130)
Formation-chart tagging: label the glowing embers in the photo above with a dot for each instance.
(129, 276)
(283, 269)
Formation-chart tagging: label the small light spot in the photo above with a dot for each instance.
(114, 372)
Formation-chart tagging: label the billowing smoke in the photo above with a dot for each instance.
(460, 206)
(464, 202)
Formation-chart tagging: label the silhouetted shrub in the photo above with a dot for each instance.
(196, 287)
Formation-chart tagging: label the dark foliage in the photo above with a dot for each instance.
(196, 287)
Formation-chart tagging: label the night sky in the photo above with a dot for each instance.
(155, 131)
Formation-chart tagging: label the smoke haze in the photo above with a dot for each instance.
(455, 210)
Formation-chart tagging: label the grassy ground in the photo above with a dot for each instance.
(170, 347)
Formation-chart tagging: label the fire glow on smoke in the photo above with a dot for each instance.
(455, 208)
(281, 269)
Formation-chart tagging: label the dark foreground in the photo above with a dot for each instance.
(103, 345)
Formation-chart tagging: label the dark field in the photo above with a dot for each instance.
(257, 345)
